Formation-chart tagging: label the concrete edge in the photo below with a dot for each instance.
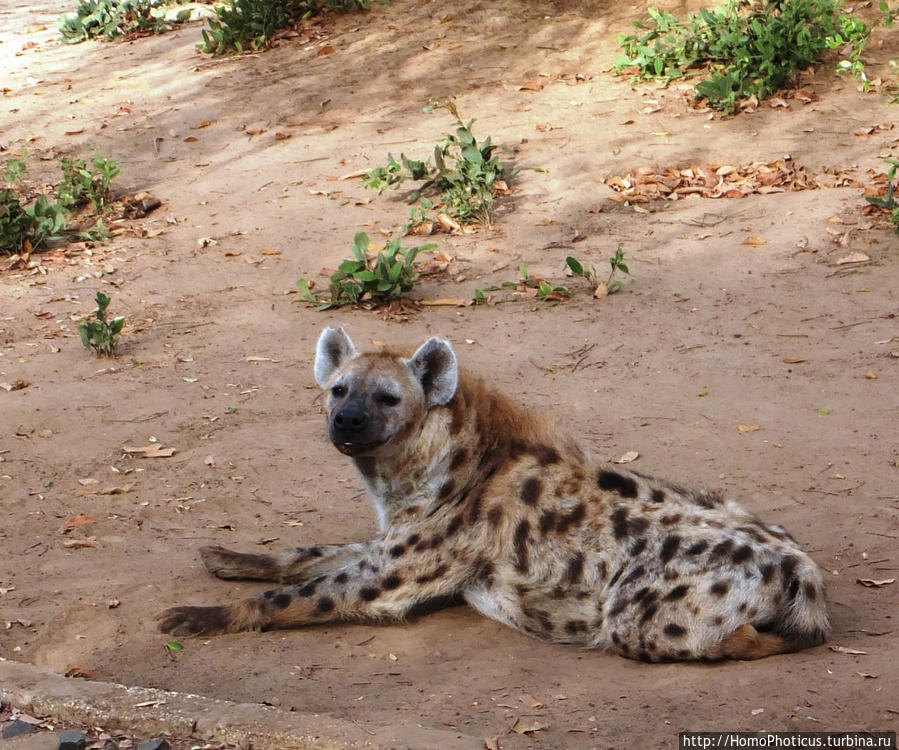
(154, 712)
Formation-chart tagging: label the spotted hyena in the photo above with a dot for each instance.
(476, 498)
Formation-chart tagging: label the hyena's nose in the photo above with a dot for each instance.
(351, 418)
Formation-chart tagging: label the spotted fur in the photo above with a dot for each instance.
(478, 499)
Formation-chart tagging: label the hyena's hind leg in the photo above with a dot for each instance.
(291, 566)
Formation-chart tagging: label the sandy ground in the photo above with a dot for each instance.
(709, 334)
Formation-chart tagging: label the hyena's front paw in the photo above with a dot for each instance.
(223, 563)
(195, 620)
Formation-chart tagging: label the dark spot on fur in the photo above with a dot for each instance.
(719, 588)
(706, 498)
(268, 594)
(619, 522)
(752, 533)
(311, 551)
(454, 525)
(341, 578)
(669, 548)
(576, 626)
(397, 550)
(392, 582)
(602, 570)
(422, 545)
(307, 589)
(658, 496)
(325, 604)
(719, 620)
(625, 649)
(811, 593)
(698, 548)
(741, 554)
(723, 548)
(683, 654)
(793, 590)
(633, 575)
(545, 455)
(767, 571)
(474, 510)
(616, 576)
(540, 616)
(616, 639)
(787, 567)
(674, 630)
(649, 613)
(282, 600)
(640, 594)
(547, 520)
(459, 458)
(446, 490)
(637, 547)
(369, 593)
(522, 563)
(575, 568)
(743, 607)
(644, 655)
(678, 592)
(530, 490)
(612, 481)
(572, 518)
(495, 515)
(618, 607)
(433, 575)
(413, 540)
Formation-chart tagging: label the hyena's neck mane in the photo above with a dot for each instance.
(458, 450)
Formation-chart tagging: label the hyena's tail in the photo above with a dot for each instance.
(802, 622)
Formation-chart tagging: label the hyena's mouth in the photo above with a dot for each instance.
(356, 449)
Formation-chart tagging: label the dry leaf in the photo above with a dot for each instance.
(81, 544)
(754, 241)
(844, 650)
(757, 711)
(853, 258)
(446, 302)
(532, 85)
(602, 290)
(870, 375)
(794, 361)
(449, 224)
(872, 583)
(747, 427)
(150, 451)
(491, 743)
(326, 50)
(868, 675)
(627, 457)
(525, 725)
(75, 522)
(209, 461)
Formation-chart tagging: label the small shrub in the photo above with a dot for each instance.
(750, 52)
(362, 278)
(111, 19)
(888, 202)
(101, 335)
(241, 25)
(600, 288)
(80, 184)
(464, 174)
(25, 228)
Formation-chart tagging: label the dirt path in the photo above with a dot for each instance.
(710, 334)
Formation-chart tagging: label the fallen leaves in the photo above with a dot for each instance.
(627, 458)
(153, 450)
(874, 583)
(849, 651)
(122, 490)
(724, 181)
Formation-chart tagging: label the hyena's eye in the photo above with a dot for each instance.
(338, 391)
(387, 399)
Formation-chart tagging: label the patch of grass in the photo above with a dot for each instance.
(112, 19)
(888, 202)
(241, 25)
(463, 174)
(367, 278)
(101, 334)
(749, 51)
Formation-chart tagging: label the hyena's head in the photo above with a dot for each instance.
(378, 399)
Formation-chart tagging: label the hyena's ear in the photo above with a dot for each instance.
(435, 366)
(334, 349)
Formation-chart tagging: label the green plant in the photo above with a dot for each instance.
(751, 51)
(464, 174)
(888, 202)
(80, 184)
(545, 291)
(97, 234)
(601, 288)
(101, 335)
(362, 278)
(111, 19)
(240, 25)
(25, 228)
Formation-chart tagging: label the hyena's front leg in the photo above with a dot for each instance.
(299, 564)
(369, 587)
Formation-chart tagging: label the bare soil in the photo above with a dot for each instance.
(711, 338)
